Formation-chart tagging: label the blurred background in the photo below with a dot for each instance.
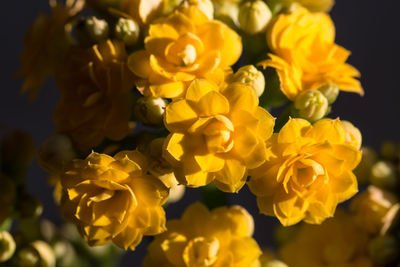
(370, 29)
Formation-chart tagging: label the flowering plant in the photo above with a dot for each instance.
(160, 96)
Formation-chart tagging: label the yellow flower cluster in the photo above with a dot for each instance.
(217, 238)
(338, 241)
(305, 56)
(113, 199)
(310, 174)
(94, 84)
(216, 135)
(182, 47)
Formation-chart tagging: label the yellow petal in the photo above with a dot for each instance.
(179, 115)
(139, 64)
(210, 162)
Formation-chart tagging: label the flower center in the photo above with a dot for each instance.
(201, 252)
(188, 55)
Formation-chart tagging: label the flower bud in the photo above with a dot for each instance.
(7, 246)
(127, 30)
(227, 11)
(91, 30)
(29, 206)
(27, 257)
(251, 76)
(311, 105)
(175, 193)
(353, 134)
(205, 6)
(55, 152)
(45, 252)
(390, 150)
(391, 220)
(273, 263)
(254, 16)
(370, 208)
(330, 91)
(363, 170)
(383, 174)
(64, 253)
(384, 250)
(150, 110)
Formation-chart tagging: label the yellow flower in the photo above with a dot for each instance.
(310, 173)
(216, 136)
(371, 207)
(95, 102)
(337, 242)
(45, 45)
(184, 46)
(217, 238)
(305, 55)
(112, 199)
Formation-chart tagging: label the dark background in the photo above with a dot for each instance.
(369, 28)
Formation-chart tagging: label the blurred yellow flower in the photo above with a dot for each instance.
(310, 173)
(312, 5)
(113, 199)
(95, 102)
(336, 242)
(371, 207)
(45, 45)
(305, 55)
(217, 238)
(181, 47)
(216, 136)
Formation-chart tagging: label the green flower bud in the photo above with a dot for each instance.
(47, 230)
(251, 76)
(311, 105)
(7, 246)
(29, 206)
(383, 174)
(273, 263)
(363, 170)
(227, 11)
(150, 110)
(91, 30)
(384, 250)
(176, 193)
(27, 257)
(390, 150)
(55, 152)
(64, 253)
(254, 16)
(330, 91)
(127, 30)
(205, 6)
(45, 253)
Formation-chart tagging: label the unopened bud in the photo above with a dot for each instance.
(7, 246)
(273, 263)
(91, 30)
(205, 6)
(311, 105)
(384, 250)
(150, 110)
(251, 76)
(383, 174)
(363, 170)
(353, 134)
(127, 30)
(390, 150)
(330, 91)
(45, 252)
(227, 11)
(64, 253)
(27, 257)
(29, 206)
(176, 193)
(254, 16)
(55, 152)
